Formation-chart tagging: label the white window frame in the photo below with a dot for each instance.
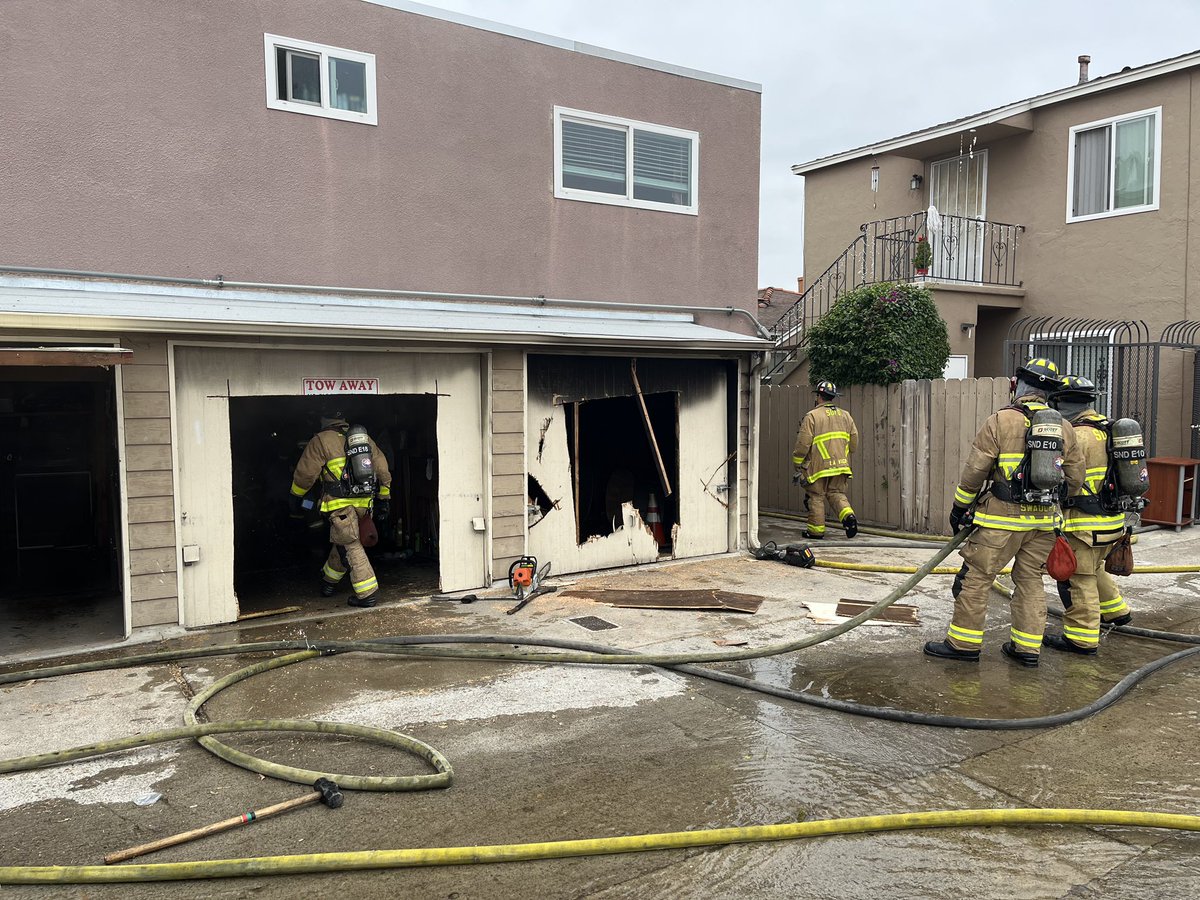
(1113, 121)
(588, 118)
(324, 109)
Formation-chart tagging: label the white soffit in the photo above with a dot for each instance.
(93, 305)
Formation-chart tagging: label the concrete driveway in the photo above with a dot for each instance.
(556, 752)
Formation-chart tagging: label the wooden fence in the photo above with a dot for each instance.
(913, 439)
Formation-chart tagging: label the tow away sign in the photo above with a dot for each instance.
(340, 386)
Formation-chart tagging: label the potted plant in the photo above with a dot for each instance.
(922, 256)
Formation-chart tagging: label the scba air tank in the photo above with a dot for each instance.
(359, 464)
(1044, 445)
(1128, 458)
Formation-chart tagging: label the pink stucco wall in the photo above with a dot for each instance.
(136, 138)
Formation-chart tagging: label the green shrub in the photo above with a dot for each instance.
(879, 334)
(922, 254)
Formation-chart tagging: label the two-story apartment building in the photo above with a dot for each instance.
(527, 265)
(1059, 225)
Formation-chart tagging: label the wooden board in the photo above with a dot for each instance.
(694, 600)
(899, 613)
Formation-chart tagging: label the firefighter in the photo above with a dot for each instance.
(1089, 528)
(821, 458)
(347, 496)
(1008, 524)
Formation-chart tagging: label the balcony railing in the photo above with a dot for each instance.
(962, 250)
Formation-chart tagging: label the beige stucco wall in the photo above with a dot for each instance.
(1138, 266)
(137, 139)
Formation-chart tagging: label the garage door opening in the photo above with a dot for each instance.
(278, 554)
(59, 509)
(613, 462)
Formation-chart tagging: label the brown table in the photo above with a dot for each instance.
(1172, 498)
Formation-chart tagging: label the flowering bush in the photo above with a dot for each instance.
(880, 334)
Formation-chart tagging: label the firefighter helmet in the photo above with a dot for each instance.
(826, 389)
(1040, 373)
(1075, 389)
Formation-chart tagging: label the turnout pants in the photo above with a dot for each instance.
(1112, 604)
(986, 552)
(831, 490)
(346, 552)
(1081, 595)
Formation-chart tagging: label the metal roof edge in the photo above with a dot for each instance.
(1094, 86)
(528, 325)
(550, 40)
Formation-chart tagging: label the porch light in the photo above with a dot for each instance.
(915, 182)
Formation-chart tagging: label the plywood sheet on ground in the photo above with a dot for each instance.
(836, 613)
(723, 600)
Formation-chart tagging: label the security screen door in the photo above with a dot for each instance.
(958, 190)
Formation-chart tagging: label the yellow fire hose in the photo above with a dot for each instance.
(495, 853)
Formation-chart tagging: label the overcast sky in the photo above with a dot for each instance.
(837, 74)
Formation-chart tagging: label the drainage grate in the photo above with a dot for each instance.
(593, 623)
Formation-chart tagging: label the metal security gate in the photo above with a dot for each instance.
(1117, 355)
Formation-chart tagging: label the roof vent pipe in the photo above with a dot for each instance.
(1083, 69)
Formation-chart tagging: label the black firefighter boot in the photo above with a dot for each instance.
(946, 650)
(1061, 642)
(1029, 660)
(328, 588)
(850, 523)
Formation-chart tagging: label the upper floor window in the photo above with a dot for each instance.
(318, 80)
(603, 159)
(1113, 167)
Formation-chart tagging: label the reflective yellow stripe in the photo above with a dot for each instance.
(335, 466)
(797, 460)
(365, 587)
(298, 491)
(1009, 523)
(330, 504)
(1082, 632)
(820, 439)
(331, 574)
(1033, 641)
(966, 630)
(817, 529)
(845, 512)
(829, 473)
(1010, 462)
(966, 635)
(1117, 604)
(385, 492)
(962, 498)
(1094, 523)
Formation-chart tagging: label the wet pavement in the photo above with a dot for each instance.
(556, 752)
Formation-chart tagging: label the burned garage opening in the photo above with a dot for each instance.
(280, 546)
(59, 508)
(629, 458)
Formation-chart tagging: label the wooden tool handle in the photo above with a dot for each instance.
(215, 828)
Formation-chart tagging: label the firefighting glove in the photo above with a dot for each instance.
(798, 478)
(383, 509)
(958, 518)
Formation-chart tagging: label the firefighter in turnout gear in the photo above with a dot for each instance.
(1013, 518)
(348, 490)
(1090, 529)
(821, 458)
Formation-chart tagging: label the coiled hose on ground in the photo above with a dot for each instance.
(581, 652)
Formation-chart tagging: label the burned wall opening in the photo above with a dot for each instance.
(615, 461)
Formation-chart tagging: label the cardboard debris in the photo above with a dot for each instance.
(694, 600)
